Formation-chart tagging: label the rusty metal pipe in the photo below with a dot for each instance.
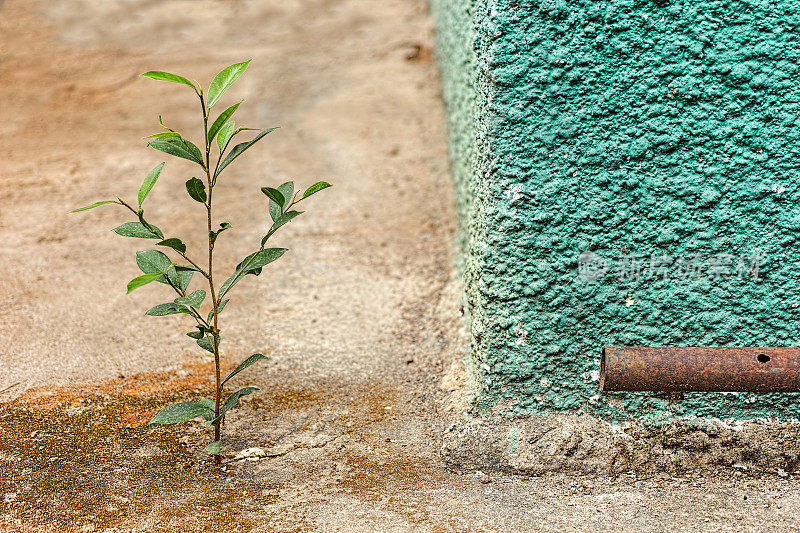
(700, 369)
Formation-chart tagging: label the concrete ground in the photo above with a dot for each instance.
(361, 317)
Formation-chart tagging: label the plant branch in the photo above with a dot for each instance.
(195, 312)
(271, 231)
(149, 227)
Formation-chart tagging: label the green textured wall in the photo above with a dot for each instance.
(633, 130)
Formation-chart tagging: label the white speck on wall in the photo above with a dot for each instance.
(629, 301)
(513, 193)
(521, 333)
(594, 399)
(544, 383)
(778, 189)
(594, 375)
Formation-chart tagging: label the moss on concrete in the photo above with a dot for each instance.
(633, 130)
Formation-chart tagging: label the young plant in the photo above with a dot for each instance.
(159, 267)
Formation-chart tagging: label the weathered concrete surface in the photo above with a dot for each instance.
(585, 444)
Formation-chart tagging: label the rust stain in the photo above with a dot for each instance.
(192, 378)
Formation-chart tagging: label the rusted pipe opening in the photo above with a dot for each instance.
(699, 369)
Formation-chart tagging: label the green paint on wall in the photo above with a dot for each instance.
(513, 439)
(662, 136)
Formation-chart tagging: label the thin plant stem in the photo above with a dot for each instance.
(214, 300)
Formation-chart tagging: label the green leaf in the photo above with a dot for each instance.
(256, 357)
(213, 448)
(152, 261)
(163, 134)
(196, 334)
(175, 244)
(156, 261)
(261, 258)
(318, 186)
(220, 306)
(182, 278)
(183, 275)
(283, 219)
(225, 134)
(275, 210)
(206, 344)
(286, 217)
(193, 300)
(169, 308)
(251, 264)
(179, 148)
(287, 189)
(222, 119)
(233, 399)
(214, 234)
(166, 76)
(181, 412)
(138, 230)
(274, 195)
(210, 404)
(148, 183)
(239, 149)
(223, 80)
(141, 281)
(196, 189)
(96, 204)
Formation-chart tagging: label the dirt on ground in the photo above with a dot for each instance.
(361, 318)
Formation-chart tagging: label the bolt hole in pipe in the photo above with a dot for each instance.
(700, 369)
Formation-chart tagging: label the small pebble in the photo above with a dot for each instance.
(482, 477)
(254, 454)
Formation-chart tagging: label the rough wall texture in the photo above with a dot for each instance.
(662, 137)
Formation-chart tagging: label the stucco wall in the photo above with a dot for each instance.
(661, 136)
